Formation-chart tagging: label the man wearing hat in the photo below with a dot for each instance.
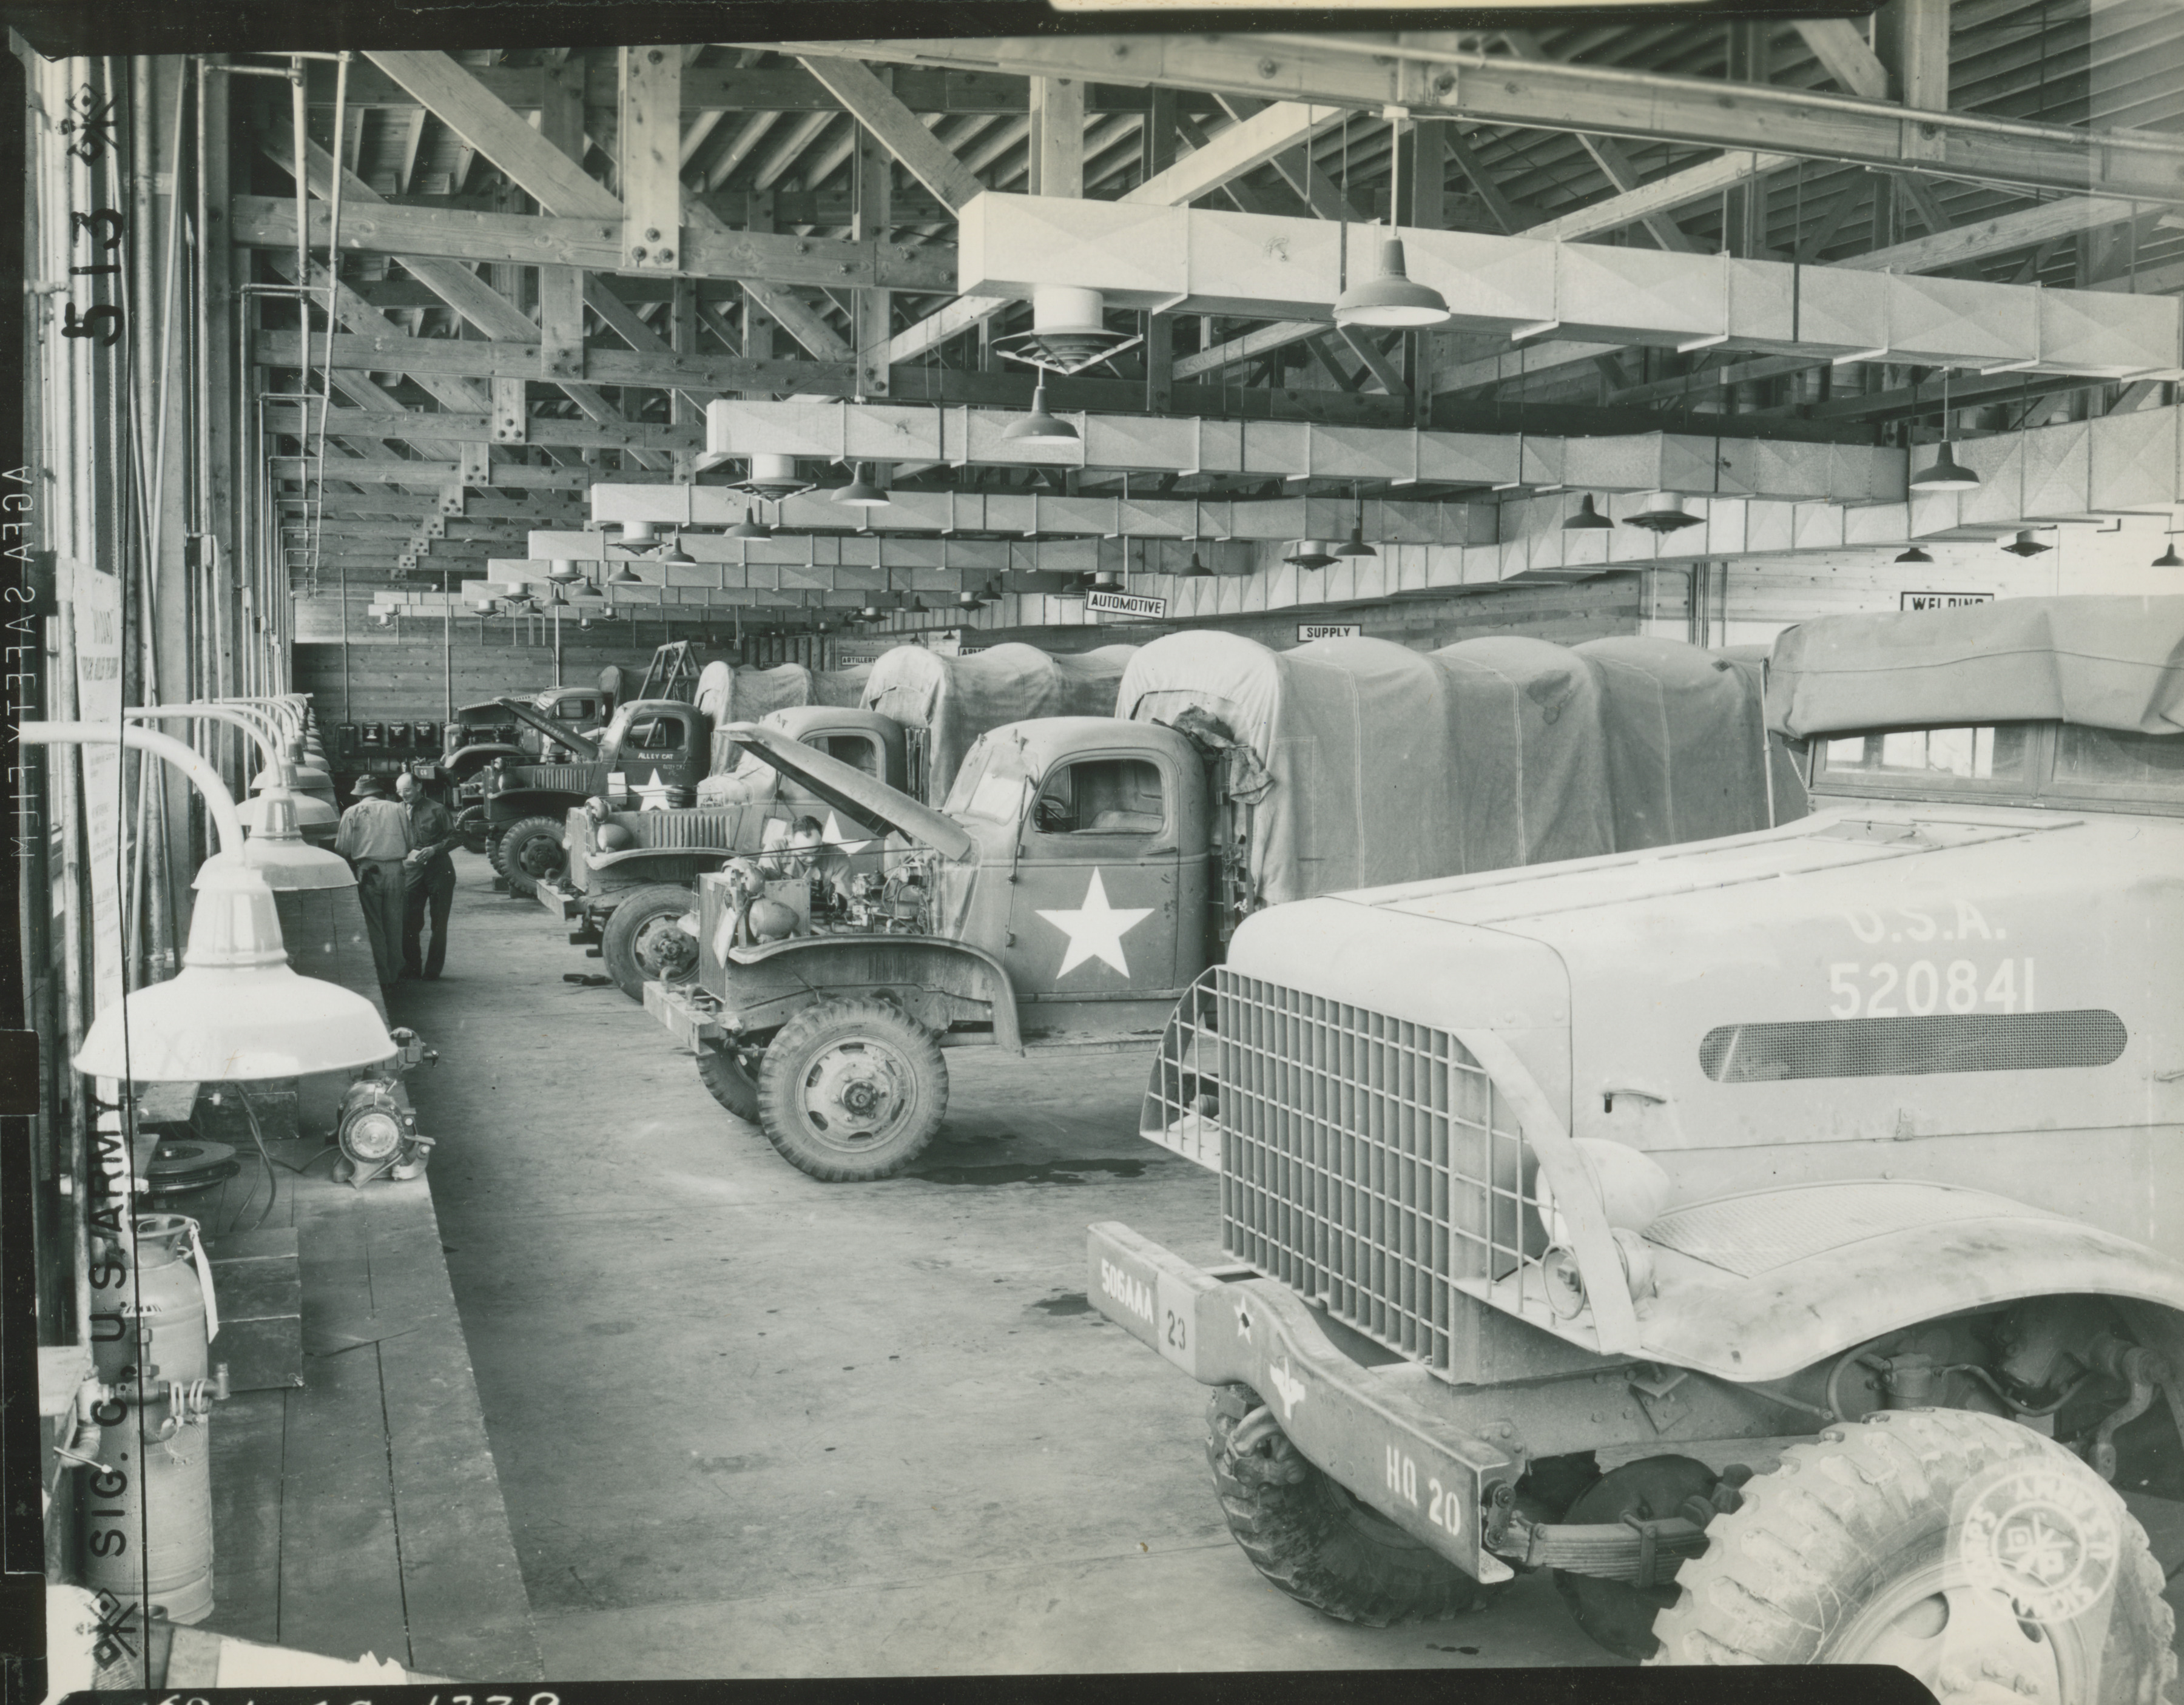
(376, 838)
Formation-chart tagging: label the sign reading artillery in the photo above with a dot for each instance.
(1125, 604)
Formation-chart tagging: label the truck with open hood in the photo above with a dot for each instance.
(1083, 872)
(1773, 1234)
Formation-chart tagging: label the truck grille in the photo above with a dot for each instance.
(1369, 1164)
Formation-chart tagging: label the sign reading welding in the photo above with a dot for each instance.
(1125, 604)
(1307, 631)
(1944, 600)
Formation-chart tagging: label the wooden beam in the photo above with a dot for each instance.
(449, 355)
(424, 426)
(1600, 100)
(1313, 187)
(1996, 235)
(397, 471)
(1677, 189)
(1056, 156)
(483, 121)
(1240, 148)
(595, 245)
(1614, 164)
(1380, 367)
(1505, 211)
(1841, 47)
(649, 154)
(876, 107)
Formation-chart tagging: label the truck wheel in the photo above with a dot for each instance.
(1313, 1539)
(1960, 1546)
(645, 940)
(531, 852)
(477, 835)
(730, 1083)
(1618, 1614)
(852, 1089)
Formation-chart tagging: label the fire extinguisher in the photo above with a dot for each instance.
(144, 1427)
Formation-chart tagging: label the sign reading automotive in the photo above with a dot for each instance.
(1125, 604)
(1944, 600)
(1330, 630)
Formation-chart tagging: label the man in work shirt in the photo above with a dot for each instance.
(375, 838)
(429, 874)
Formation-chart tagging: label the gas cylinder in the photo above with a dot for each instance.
(166, 1290)
(147, 1492)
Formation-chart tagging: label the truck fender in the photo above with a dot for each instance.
(825, 963)
(1948, 1250)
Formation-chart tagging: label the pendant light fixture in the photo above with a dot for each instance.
(2025, 545)
(862, 492)
(237, 1011)
(1914, 554)
(1662, 513)
(1587, 519)
(624, 575)
(1355, 545)
(1392, 299)
(564, 571)
(1309, 554)
(1946, 473)
(1197, 569)
(2169, 557)
(1041, 426)
(678, 557)
(750, 527)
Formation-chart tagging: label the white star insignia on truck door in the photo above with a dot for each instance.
(652, 795)
(1095, 929)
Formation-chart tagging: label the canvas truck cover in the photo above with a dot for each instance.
(2099, 662)
(957, 699)
(1388, 765)
(728, 694)
(1689, 756)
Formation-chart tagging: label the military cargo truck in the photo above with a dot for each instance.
(1085, 871)
(1774, 1236)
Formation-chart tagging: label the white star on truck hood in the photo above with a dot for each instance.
(1095, 929)
(652, 795)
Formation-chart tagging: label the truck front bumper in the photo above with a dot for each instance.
(687, 1016)
(1375, 1430)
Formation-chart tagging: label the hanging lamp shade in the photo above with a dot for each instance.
(564, 571)
(1587, 519)
(2025, 545)
(1391, 298)
(968, 600)
(1309, 554)
(624, 575)
(1197, 569)
(1662, 513)
(1355, 545)
(1946, 474)
(862, 492)
(750, 527)
(1040, 426)
(315, 819)
(2169, 558)
(774, 477)
(278, 849)
(1914, 554)
(236, 1011)
(638, 535)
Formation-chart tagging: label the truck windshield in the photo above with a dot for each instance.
(2016, 760)
(991, 786)
(1991, 754)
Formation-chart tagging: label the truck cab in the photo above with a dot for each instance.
(1060, 897)
(653, 752)
(648, 851)
(1684, 1153)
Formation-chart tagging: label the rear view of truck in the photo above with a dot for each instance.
(1773, 1236)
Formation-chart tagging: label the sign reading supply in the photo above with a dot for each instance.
(1125, 604)
(1330, 630)
(1944, 600)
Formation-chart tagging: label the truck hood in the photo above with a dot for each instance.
(1661, 999)
(553, 731)
(850, 789)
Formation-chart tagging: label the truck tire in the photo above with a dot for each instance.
(731, 1084)
(531, 851)
(1857, 1550)
(642, 943)
(471, 826)
(851, 1090)
(1312, 1539)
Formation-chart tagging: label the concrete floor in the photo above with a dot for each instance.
(749, 1424)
